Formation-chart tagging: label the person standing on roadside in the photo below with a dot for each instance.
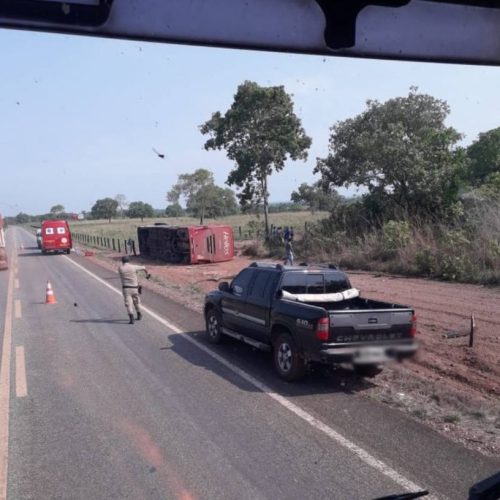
(130, 286)
(288, 253)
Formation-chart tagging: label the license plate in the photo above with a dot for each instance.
(371, 355)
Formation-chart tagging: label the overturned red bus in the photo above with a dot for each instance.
(188, 244)
(56, 236)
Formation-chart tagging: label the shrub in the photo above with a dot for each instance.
(425, 262)
(254, 249)
(396, 234)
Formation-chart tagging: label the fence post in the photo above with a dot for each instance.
(305, 227)
(114, 247)
(125, 246)
(472, 327)
(239, 229)
(133, 248)
(119, 249)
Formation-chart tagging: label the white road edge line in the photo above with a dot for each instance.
(310, 419)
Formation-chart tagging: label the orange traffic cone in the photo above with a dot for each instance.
(50, 298)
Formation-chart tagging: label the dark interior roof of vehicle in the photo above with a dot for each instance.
(423, 30)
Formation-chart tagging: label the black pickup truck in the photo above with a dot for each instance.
(307, 314)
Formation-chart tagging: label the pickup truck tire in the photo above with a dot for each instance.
(214, 327)
(367, 371)
(287, 360)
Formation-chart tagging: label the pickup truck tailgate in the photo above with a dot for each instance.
(370, 325)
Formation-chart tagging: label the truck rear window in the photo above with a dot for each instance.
(299, 283)
(335, 284)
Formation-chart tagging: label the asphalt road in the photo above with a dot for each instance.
(102, 409)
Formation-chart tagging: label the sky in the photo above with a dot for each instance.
(79, 116)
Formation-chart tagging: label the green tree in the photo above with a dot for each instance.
(105, 208)
(259, 132)
(123, 204)
(484, 156)
(402, 152)
(22, 218)
(57, 210)
(174, 210)
(140, 209)
(213, 201)
(203, 197)
(315, 197)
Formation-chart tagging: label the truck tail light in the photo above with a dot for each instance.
(413, 329)
(322, 329)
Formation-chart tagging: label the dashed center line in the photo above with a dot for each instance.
(18, 313)
(21, 384)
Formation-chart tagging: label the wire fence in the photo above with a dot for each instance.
(126, 246)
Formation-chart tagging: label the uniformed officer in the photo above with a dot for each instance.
(130, 285)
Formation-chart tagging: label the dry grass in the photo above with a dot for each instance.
(249, 224)
(466, 251)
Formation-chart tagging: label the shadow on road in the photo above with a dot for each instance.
(101, 320)
(32, 254)
(320, 380)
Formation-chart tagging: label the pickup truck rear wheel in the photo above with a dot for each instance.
(214, 327)
(287, 360)
(368, 371)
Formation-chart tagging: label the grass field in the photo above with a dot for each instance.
(127, 228)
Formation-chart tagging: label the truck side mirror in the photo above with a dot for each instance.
(224, 287)
(279, 294)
